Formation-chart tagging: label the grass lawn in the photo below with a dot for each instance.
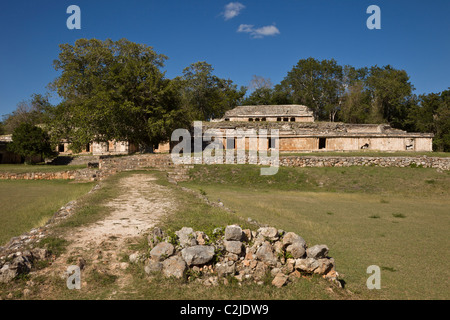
(369, 153)
(396, 218)
(26, 204)
(24, 168)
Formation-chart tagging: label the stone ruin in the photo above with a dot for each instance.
(233, 254)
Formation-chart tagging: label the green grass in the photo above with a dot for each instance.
(390, 217)
(368, 153)
(24, 168)
(333, 206)
(26, 204)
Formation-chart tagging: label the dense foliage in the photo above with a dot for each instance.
(30, 141)
(117, 90)
(364, 95)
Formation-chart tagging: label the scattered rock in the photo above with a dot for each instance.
(161, 251)
(153, 266)
(135, 257)
(291, 238)
(307, 265)
(197, 255)
(225, 269)
(233, 246)
(155, 237)
(280, 280)
(297, 250)
(317, 252)
(269, 233)
(233, 233)
(202, 238)
(265, 253)
(187, 237)
(174, 267)
(244, 254)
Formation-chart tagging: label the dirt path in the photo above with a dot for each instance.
(104, 244)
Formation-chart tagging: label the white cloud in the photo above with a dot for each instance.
(245, 28)
(258, 32)
(233, 9)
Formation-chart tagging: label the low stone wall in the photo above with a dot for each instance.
(426, 162)
(79, 175)
(230, 252)
(111, 165)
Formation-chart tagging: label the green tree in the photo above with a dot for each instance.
(355, 106)
(30, 141)
(316, 84)
(205, 96)
(431, 113)
(390, 92)
(32, 111)
(262, 92)
(112, 90)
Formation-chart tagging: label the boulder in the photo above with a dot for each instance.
(19, 265)
(162, 251)
(247, 235)
(155, 237)
(202, 238)
(317, 252)
(233, 246)
(269, 233)
(233, 233)
(297, 250)
(306, 265)
(174, 267)
(265, 253)
(153, 266)
(197, 255)
(260, 271)
(291, 238)
(280, 280)
(325, 266)
(187, 237)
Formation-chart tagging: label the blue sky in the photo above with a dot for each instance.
(414, 36)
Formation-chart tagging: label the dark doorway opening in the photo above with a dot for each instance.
(272, 143)
(322, 143)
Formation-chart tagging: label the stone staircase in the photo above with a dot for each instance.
(177, 173)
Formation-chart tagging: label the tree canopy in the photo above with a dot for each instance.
(117, 90)
(29, 141)
(205, 96)
(112, 90)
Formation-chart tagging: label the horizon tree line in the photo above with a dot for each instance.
(117, 90)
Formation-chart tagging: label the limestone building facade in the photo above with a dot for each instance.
(298, 132)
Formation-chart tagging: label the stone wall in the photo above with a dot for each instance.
(426, 162)
(110, 165)
(113, 165)
(231, 252)
(164, 161)
(79, 175)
